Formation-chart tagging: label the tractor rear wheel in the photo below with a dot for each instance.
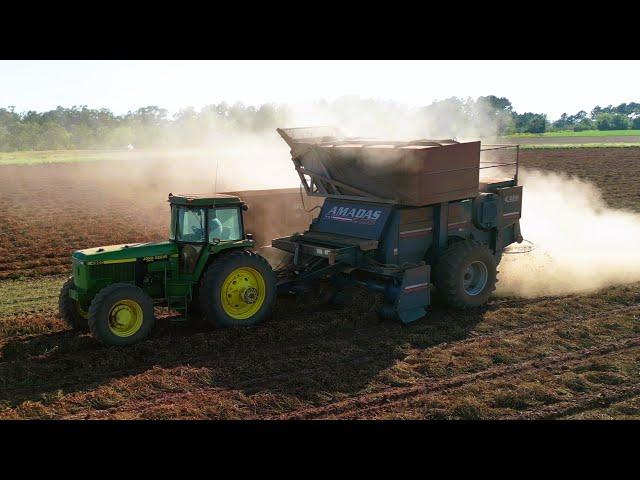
(238, 289)
(465, 275)
(70, 310)
(121, 314)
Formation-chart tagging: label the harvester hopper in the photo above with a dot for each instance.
(414, 173)
(401, 217)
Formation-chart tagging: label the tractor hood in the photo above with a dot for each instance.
(126, 251)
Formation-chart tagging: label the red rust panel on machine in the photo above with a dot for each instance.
(276, 212)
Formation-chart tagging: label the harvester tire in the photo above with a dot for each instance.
(69, 309)
(237, 289)
(121, 314)
(465, 275)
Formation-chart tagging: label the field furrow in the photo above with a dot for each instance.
(568, 356)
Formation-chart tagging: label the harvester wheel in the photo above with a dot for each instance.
(465, 275)
(70, 310)
(121, 314)
(238, 289)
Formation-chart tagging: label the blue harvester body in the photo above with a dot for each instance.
(390, 210)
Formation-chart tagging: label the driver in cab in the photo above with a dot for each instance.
(216, 229)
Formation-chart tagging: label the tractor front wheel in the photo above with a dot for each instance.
(70, 310)
(121, 314)
(465, 275)
(238, 289)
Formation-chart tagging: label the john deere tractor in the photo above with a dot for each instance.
(205, 270)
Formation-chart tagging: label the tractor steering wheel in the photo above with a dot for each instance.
(198, 233)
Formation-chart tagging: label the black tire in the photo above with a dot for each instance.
(69, 309)
(212, 282)
(101, 307)
(458, 265)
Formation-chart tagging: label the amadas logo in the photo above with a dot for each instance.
(354, 215)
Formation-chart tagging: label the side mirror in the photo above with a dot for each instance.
(249, 236)
(245, 207)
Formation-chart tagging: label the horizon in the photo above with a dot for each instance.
(547, 87)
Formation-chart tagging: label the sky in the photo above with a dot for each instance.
(550, 87)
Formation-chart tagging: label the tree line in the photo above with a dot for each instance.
(81, 127)
(622, 117)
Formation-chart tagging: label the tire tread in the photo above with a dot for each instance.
(209, 279)
(445, 275)
(67, 309)
(98, 302)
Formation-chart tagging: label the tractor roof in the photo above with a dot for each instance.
(203, 199)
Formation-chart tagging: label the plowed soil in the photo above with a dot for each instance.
(572, 356)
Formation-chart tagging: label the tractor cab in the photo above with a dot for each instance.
(202, 219)
(198, 220)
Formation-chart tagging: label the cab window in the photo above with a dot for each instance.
(190, 225)
(224, 224)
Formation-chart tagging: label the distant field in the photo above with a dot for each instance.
(585, 133)
(75, 156)
(60, 156)
(534, 146)
(613, 138)
(526, 141)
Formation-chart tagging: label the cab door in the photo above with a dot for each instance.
(191, 236)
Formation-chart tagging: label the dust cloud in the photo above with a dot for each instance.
(581, 244)
(239, 161)
(231, 159)
(452, 118)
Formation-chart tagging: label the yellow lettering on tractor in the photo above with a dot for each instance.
(153, 258)
(106, 262)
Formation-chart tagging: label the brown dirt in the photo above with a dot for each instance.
(47, 211)
(615, 171)
(574, 356)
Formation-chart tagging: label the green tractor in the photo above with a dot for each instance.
(205, 270)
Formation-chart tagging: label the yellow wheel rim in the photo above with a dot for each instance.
(243, 293)
(125, 318)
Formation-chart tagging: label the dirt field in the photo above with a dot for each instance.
(554, 357)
